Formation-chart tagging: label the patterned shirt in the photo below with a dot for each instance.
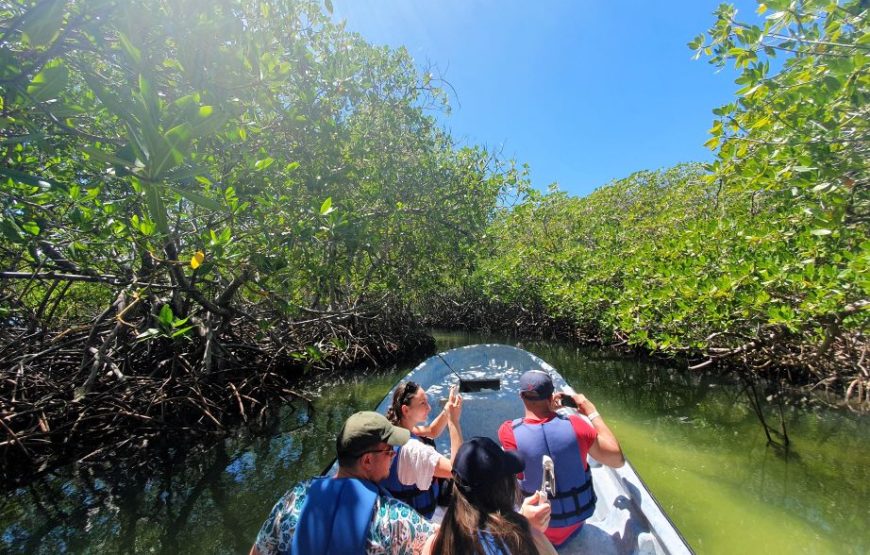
(396, 528)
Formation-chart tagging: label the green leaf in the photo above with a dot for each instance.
(180, 322)
(168, 154)
(33, 180)
(198, 198)
(49, 82)
(11, 231)
(156, 207)
(146, 227)
(132, 52)
(166, 317)
(264, 163)
(113, 104)
(150, 100)
(31, 227)
(181, 331)
(820, 232)
(43, 22)
(147, 334)
(104, 156)
(326, 207)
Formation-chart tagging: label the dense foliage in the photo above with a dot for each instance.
(199, 198)
(224, 147)
(204, 189)
(761, 258)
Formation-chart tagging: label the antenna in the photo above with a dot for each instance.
(469, 385)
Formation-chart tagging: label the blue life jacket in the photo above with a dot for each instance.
(335, 517)
(424, 502)
(490, 545)
(574, 499)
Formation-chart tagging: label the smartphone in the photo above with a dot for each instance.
(567, 401)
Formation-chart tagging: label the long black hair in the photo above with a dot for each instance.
(488, 509)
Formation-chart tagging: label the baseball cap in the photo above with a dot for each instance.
(479, 460)
(536, 385)
(364, 430)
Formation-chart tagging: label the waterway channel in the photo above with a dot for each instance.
(692, 438)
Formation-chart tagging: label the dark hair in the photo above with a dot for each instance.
(489, 508)
(401, 396)
(347, 461)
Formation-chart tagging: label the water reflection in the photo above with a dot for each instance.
(188, 500)
(693, 439)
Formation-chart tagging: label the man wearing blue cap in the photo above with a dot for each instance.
(348, 514)
(567, 440)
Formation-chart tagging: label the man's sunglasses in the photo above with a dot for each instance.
(389, 450)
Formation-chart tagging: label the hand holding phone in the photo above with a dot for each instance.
(567, 401)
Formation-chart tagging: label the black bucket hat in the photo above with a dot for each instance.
(480, 460)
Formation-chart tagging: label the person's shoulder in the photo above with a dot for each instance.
(509, 424)
(391, 504)
(506, 435)
(296, 490)
(414, 445)
(582, 426)
(300, 488)
(397, 528)
(576, 418)
(294, 496)
(400, 513)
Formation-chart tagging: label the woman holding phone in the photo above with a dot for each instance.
(417, 470)
(483, 516)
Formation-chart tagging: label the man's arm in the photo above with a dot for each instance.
(403, 529)
(605, 448)
(508, 440)
(506, 436)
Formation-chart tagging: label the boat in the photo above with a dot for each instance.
(627, 518)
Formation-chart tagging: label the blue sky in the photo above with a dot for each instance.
(584, 91)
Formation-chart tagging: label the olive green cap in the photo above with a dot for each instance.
(365, 430)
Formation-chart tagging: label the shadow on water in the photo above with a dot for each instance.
(187, 494)
(197, 500)
(692, 438)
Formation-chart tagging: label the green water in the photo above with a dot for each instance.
(694, 442)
